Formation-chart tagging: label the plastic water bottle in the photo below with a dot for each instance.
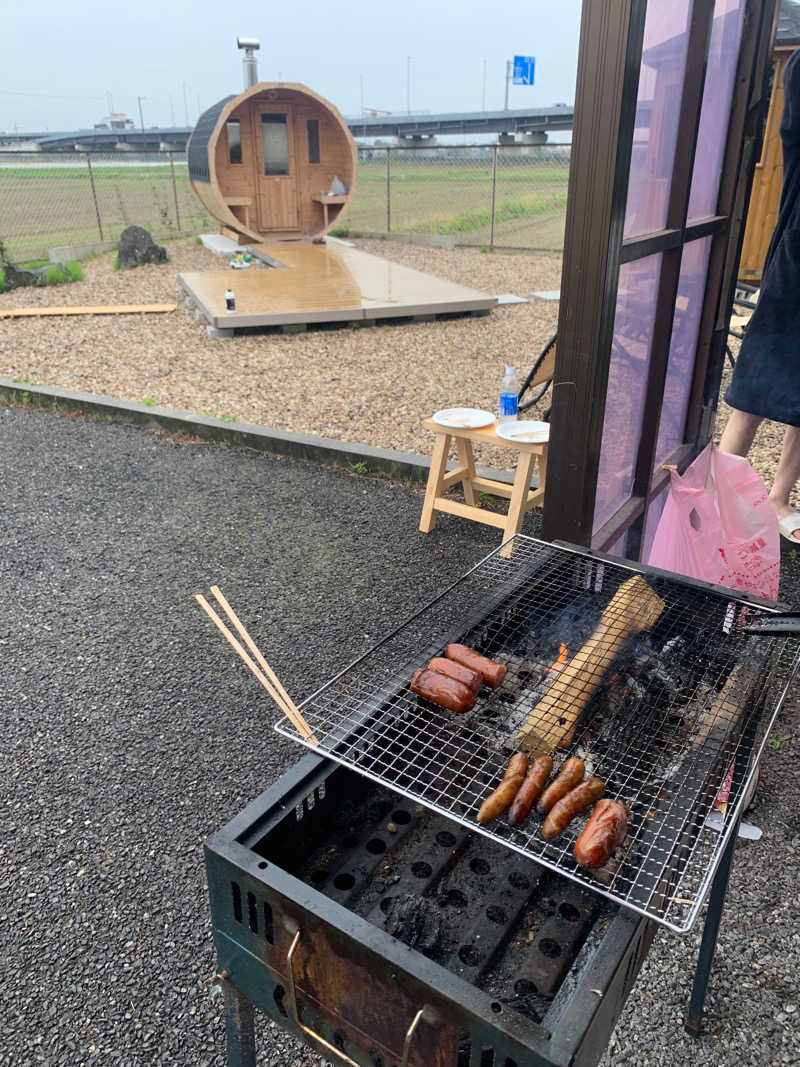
(509, 388)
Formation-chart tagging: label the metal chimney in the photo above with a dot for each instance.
(250, 45)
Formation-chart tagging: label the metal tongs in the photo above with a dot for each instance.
(782, 622)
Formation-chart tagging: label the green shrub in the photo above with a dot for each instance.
(72, 272)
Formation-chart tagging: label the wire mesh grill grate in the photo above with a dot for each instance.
(684, 705)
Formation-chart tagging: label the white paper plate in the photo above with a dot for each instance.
(527, 432)
(463, 418)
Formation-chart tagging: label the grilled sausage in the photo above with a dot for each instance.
(562, 813)
(492, 673)
(441, 690)
(568, 777)
(530, 790)
(471, 679)
(497, 802)
(604, 832)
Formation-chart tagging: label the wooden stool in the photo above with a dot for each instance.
(520, 496)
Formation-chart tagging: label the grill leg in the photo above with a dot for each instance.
(719, 887)
(240, 1035)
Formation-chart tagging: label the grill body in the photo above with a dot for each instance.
(357, 988)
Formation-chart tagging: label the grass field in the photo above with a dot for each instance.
(49, 203)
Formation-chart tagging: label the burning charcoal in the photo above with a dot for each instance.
(412, 921)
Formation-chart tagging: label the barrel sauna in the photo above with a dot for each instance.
(262, 163)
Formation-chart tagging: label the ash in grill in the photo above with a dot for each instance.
(663, 725)
(505, 925)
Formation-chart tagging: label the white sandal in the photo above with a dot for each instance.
(789, 524)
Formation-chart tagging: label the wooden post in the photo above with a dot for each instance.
(94, 195)
(494, 197)
(174, 190)
(388, 190)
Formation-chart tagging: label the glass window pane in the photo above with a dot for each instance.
(275, 144)
(627, 378)
(685, 326)
(653, 515)
(234, 140)
(657, 114)
(713, 132)
(312, 125)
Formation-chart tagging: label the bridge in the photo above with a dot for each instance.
(530, 126)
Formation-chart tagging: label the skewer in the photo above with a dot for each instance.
(278, 694)
(248, 640)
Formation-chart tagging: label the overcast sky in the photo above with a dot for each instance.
(60, 61)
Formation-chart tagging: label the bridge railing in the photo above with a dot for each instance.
(493, 196)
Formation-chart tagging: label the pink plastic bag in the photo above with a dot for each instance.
(718, 525)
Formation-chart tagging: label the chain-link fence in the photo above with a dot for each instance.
(494, 196)
(79, 198)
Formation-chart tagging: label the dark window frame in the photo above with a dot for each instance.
(594, 249)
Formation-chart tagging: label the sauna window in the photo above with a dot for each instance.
(275, 144)
(312, 125)
(234, 129)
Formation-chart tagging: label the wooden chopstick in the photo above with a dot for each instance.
(286, 704)
(248, 640)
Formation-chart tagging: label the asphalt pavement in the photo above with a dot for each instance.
(131, 733)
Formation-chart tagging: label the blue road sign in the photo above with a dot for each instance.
(524, 67)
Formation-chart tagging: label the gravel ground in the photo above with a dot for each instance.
(371, 385)
(132, 733)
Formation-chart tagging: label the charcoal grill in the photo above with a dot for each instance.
(360, 905)
(383, 935)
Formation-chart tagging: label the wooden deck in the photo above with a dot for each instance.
(325, 283)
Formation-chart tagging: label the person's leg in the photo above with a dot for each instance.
(787, 475)
(737, 437)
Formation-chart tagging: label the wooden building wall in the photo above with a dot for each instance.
(766, 191)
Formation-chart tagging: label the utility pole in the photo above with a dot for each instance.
(508, 80)
(408, 84)
(141, 119)
(484, 85)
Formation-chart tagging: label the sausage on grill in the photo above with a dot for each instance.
(441, 690)
(562, 813)
(604, 832)
(568, 777)
(471, 679)
(492, 673)
(530, 790)
(497, 802)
